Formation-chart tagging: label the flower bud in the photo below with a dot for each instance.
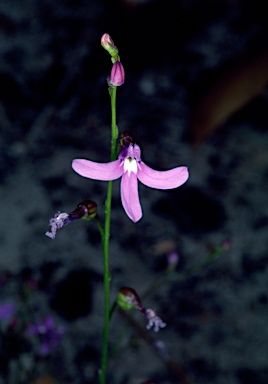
(127, 298)
(126, 139)
(85, 210)
(108, 45)
(117, 77)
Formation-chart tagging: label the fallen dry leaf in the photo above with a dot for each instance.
(165, 246)
(232, 91)
(45, 379)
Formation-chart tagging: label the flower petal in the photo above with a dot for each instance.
(130, 196)
(98, 171)
(162, 179)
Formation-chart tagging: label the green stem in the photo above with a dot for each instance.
(113, 308)
(105, 245)
(101, 230)
(112, 91)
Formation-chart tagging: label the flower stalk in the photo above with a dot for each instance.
(106, 242)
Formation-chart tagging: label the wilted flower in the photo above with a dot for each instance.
(154, 320)
(58, 221)
(131, 168)
(127, 298)
(47, 333)
(85, 210)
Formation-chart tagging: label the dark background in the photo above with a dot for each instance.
(54, 106)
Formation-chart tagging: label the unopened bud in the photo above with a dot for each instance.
(127, 298)
(126, 139)
(85, 210)
(108, 45)
(117, 76)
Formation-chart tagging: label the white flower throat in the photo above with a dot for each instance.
(130, 165)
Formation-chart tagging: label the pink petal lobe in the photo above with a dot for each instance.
(98, 171)
(162, 179)
(130, 196)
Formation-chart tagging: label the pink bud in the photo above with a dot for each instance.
(117, 77)
(106, 40)
(108, 44)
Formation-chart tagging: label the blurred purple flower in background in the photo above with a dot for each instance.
(172, 260)
(7, 310)
(48, 334)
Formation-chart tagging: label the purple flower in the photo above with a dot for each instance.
(131, 168)
(7, 310)
(48, 333)
(172, 259)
